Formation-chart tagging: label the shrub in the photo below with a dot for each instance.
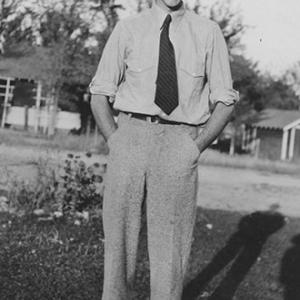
(42, 193)
(80, 187)
(71, 187)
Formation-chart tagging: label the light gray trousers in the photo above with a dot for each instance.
(161, 158)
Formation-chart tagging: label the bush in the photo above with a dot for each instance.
(69, 188)
(28, 196)
(80, 188)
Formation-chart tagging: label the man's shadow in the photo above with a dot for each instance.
(243, 247)
(290, 270)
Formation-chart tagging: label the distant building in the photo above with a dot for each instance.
(275, 135)
(35, 112)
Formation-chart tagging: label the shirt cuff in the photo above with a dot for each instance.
(103, 88)
(226, 96)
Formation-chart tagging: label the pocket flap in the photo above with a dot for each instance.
(139, 65)
(195, 70)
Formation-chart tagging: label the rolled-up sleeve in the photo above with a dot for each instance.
(111, 68)
(218, 71)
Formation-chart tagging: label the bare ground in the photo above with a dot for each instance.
(226, 188)
(247, 190)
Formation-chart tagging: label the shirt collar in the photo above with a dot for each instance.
(161, 14)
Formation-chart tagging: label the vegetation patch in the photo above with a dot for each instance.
(72, 187)
(243, 256)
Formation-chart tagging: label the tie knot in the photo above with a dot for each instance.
(167, 21)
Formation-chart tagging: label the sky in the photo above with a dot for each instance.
(273, 36)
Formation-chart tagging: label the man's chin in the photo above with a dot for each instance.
(175, 6)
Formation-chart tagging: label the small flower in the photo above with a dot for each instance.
(209, 226)
(39, 212)
(88, 154)
(77, 222)
(70, 155)
(57, 214)
(90, 170)
(85, 215)
(96, 165)
(98, 178)
(82, 164)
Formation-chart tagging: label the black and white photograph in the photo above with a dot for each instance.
(149, 150)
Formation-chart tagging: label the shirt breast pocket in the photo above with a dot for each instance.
(140, 72)
(191, 76)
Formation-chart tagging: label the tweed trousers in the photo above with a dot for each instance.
(161, 160)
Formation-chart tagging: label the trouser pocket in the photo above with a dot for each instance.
(190, 134)
(111, 137)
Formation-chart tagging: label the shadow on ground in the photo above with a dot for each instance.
(290, 270)
(242, 249)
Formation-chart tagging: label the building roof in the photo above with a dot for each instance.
(277, 119)
(34, 65)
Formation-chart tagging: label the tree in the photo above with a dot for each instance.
(109, 10)
(279, 94)
(60, 40)
(59, 43)
(250, 84)
(229, 19)
(7, 9)
(12, 14)
(142, 4)
(292, 78)
(259, 91)
(63, 35)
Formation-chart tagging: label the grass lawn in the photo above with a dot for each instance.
(234, 256)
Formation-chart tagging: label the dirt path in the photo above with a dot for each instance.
(248, 190)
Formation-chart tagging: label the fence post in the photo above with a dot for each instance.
(257, 146)
(284, 142)
(88, 127)
(37, 106)
(292, 143)
(51, 125)
(26, 109)
(5, 104)
(46, 118)
(52, 114)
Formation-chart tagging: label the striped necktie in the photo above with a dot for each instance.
(166, 96)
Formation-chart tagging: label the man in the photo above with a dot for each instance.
(167, 71)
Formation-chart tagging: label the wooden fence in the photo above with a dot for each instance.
(19, 116)
(7, 85)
